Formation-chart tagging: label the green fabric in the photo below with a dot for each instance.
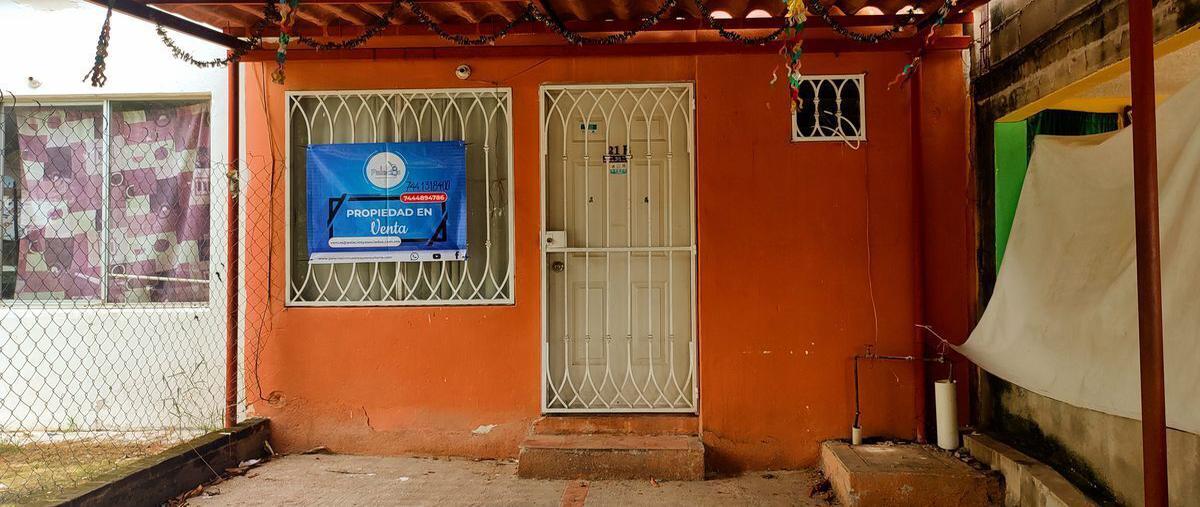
(1012, 159)
(1014, 147)
(1058, 122)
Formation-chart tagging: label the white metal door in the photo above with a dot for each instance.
(618, 249)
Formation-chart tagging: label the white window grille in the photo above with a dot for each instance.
(830, 108)
(480, 117)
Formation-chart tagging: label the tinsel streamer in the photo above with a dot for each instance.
(286, 20)
(734, 36)
(283, 13)
(461, 40)
(270, 17)
(816, 7)
(97, 73)
(552, 21)
(793, 49)
(939, 20)
(376, 26)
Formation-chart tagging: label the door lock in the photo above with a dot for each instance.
(555, 240)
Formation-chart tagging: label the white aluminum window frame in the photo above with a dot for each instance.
(291, 301)
(861, 79)
(105, 103)
(543, 256)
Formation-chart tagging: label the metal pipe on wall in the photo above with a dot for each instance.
(870, 355)
(1149, 280)
(231, 247)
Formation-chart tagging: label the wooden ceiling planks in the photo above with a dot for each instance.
(233, 14)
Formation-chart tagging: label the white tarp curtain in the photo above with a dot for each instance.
(1063, 319)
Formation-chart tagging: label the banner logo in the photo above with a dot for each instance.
(386, 170)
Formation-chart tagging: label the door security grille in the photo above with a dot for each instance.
(619, 249)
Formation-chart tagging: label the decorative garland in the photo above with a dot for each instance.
(286, 21)
(939, 19)
(271, 16)
(283, 12)
(551, 20)
(737, 37)
(424, 19)
(97, 73)
(870, 38)
(377, 26)
(794, 48)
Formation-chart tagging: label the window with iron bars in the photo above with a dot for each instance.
(105, 202)
(830, 108)
(480, 117)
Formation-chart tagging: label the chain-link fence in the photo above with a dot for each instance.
(113, 285)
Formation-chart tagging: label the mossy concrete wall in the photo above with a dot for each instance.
(1100, 453)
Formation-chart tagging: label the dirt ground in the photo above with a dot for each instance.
(32, 469)
(361, 480)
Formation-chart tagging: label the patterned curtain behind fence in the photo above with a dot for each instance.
(158, 202)
(59, 197)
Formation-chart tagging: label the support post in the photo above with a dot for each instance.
(231, 247)
(1149, 282)
(918, 169)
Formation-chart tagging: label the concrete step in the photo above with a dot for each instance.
(1027, 481)
(903, 475)
(640, 424)
(595, 457)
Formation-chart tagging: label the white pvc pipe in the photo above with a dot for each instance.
(946, 406)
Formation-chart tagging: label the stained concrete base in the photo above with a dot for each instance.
(596, 457)
(907, 475)
(362, 480)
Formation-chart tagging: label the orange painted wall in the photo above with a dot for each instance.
(782, 284)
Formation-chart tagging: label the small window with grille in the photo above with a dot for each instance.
(830, 108)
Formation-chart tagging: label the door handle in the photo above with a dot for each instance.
(558, 266)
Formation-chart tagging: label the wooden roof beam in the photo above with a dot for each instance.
(152, 15)
(949, 43)
(307, 2)
(343, 13)
(666, 25)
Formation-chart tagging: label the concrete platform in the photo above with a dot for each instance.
(370, 480)
(593, 457)
(907, 475)
(1027, 481)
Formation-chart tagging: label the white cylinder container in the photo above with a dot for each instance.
(855, 435)
(946, 405)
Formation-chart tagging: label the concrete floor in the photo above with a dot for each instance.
(364, 480)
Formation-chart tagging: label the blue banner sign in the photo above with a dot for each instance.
(390, 202)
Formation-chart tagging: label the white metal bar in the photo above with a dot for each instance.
(105, 199)
(158, 278)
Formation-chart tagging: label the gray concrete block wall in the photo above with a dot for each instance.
(1039, 46)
